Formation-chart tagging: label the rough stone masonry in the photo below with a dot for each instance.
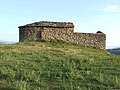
(63, 31)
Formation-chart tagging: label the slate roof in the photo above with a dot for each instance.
(49, 24)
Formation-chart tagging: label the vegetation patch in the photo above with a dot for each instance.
(57, 66)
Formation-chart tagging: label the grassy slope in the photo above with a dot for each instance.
(57, 66)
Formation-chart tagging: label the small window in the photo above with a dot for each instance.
(38, 34)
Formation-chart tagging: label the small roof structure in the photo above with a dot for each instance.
(99, 32)
(49, 24)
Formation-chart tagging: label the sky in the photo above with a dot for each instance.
(87, 15)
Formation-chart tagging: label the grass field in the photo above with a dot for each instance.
(57, 66)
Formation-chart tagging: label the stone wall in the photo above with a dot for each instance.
(30, 33)
(60, 31)
(63, 34)
(90, 39)
(67, 35)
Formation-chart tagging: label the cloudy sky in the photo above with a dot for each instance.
(87, 16)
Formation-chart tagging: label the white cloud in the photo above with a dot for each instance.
(112, 8)
(109, 8)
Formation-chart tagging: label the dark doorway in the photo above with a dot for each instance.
(38, 35)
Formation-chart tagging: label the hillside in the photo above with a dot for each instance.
(57, 66)
(6, 42)
(115, 51)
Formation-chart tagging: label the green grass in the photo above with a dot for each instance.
(57, 66)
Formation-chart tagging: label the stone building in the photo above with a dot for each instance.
(63, 31)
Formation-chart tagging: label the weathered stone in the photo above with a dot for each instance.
(60, 31)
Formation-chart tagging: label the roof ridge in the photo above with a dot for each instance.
(49, 24)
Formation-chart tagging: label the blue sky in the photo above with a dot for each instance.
(87, 16)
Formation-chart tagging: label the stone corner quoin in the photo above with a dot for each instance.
(63, 31)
